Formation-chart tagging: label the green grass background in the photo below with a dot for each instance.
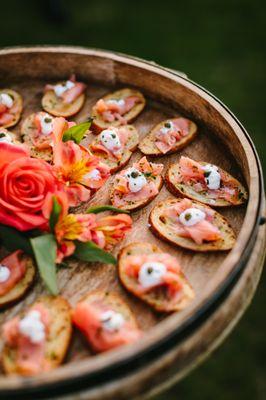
(219, 44)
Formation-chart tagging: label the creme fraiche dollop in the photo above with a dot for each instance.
(151, 273)
(191, 216)
(4, 273)
(136, 179)
(212, 177)
(61, 88)
(112, 321)
(32, 327)
(110, 139)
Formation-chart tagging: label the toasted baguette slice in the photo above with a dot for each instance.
(184, 190)
(22, 287)
(115, 164)
(148, 147)
(155, 297)
(138, 204)
(55, 105)
(99, 124)
(114, 302)
(18, 102)
(57, 342)
(26, 135)
(161, 230)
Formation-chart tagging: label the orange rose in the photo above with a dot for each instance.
(24, 184)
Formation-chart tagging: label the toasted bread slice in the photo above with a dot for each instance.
(57, 342)
(22, 287)
(18, 103)
(155, 297)
(138, 204)
(26, 135)
(185, 190)
(148, 147)
(115, 164)
(160, 229)
(55, 106)
(99, 124)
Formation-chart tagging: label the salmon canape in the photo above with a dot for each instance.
(37, 340)
(17, 273)
(168, 137)
(155, 277)
(11, 105)
(191, 225)
(114, 146)
(117, 108)
(205, 182)
(37, 133)
(106, 321)
(137, 186)
(64, 99)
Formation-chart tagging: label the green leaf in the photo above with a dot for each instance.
(44, 248)
(56, 210)
(90, 252)
(98, 209)
(13, 240)
(77, 132)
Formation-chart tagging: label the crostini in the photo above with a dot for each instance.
(17, 272)
(117, 108)
(168, 137)
(136, 186)
(11, 105)
(204, 182)
(191, 225)
(105, 320)
(114, 146)
(64, 99)
(37, 133)
(38, 339)
(155, 277)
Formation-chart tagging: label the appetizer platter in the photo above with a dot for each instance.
(131, 219)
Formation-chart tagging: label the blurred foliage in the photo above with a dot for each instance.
(219, 44)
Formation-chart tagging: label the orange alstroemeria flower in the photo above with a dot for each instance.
(79, 172)
(105, 231)
(111, 229)
(69, 227)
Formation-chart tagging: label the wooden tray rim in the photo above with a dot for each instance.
(248, 230)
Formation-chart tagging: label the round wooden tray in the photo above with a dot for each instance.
(219, 279)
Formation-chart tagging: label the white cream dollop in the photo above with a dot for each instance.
(119, 102)
(168, 126)
(32, 327)
(61, 88)
(151, 273)
(94, 175)
(46, 122)
(110, 139)
(6, 99)
(4, 273)
(191, 216)
(111, 320)
(136, 179)
(213, 178)
(5, 137)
